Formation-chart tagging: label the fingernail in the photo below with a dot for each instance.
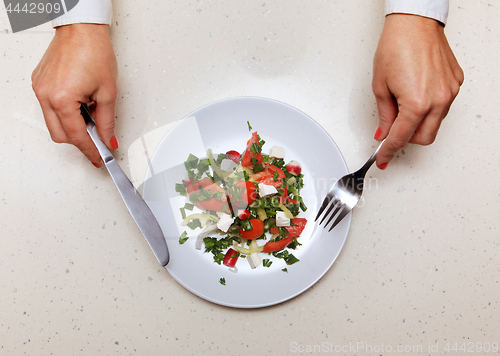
(377, 134)
(114, 143)
(95, 165)
(383, 165)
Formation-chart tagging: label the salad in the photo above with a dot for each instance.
(248, 204)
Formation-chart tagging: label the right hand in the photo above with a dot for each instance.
(79, 66)
(416, 77)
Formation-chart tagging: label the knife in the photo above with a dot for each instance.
(137, 207)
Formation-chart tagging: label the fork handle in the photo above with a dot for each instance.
(362, 171)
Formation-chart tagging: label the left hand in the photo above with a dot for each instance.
(416, 77)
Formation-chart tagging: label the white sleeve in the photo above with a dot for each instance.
(87, 11)
(436, 9)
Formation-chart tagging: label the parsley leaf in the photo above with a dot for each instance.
(183, 238)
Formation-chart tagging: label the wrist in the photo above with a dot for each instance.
(411, 20)
(412, 26)
(82, 29)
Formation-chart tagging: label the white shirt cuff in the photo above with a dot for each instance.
(435, 9)
(87, 11)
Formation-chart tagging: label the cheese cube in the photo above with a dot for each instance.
(265, 190)
(254, 259)
(281, 219)
(225, 221)
(228, 165)
(277, 152)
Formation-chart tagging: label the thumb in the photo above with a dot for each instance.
(400, 134)
(104, 117)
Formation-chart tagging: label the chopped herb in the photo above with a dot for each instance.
(246, 225)
(193, 224)
(188, 206)
(270, 213)
(285, 270)
(279, 162)
(216, 246)
(180, 188)
(266, 262)
(203, 166)
(218, 258)
(253, 160)
(183, 213)
(222, 281)
(220, 157)
(258, 167)
(291, 259)
(276, 176)
(255, 148)
(196, 196)
(183, 238)
(191, 162)
(294, 244)
(283, 254)
(249, 126)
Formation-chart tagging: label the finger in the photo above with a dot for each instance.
(74, 126)
(387, 110)
(400, 134)
(53, 124)
(427, 130)
(104, 116)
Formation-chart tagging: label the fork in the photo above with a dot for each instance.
(345, 194)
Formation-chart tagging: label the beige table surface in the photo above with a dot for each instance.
(420, 270)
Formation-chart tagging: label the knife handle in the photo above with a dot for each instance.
(92, 130)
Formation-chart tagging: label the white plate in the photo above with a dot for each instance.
(222, 126)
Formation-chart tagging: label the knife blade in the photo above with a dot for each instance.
(137, 207)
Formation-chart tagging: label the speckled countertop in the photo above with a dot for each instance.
(421, 265)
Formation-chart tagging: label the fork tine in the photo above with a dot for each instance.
(325, 203)
(332, 210)
(339, 207)
(339, 218)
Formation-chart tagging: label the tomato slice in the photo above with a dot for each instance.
(293, 231)
(257, 230)
(212, 204)
(247, 197)
(267, 176)
(247, 155)
(277, 245)
(208, 185)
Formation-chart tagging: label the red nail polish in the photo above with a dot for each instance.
(383, 165)
(95, 165)
(378, 132)
(114, 143)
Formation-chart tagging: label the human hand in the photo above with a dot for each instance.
(79, 66)
(416, 77)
